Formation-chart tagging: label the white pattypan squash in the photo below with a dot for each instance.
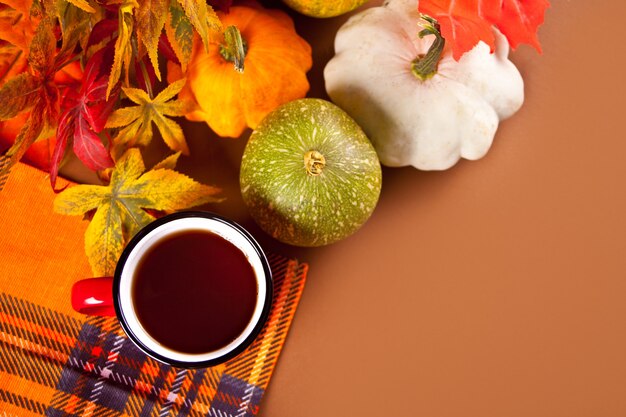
(451, 113)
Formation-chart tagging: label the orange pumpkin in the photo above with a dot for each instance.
(276, 63)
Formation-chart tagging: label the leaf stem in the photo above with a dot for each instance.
(425, 66)
(142, 67)
(146, 77)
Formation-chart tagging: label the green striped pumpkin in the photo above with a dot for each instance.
(324, 8)
(309, 175)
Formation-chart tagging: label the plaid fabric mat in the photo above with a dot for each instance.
(56, 362)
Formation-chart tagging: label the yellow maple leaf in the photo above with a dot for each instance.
(123, 47)
(203, 18)
(136, 121)
(149, 22)
(179, 31)
(120, 206)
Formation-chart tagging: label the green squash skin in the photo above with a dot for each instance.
(324, 8)
(294, 206)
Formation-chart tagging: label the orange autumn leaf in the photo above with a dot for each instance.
(120, 207)
(16, 25)
(464, 23)
(31, 90)
(16, 30)
(519, 20)
(276, 63)
(40, 152)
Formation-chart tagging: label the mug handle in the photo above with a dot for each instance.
(94, 296)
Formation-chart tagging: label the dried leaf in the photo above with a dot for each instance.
(137, 120)
(43, 48)
(149, 22)
(179, 32)
(27, 136)
(18, 94)
(123, 49)
(121, 206)
(203, 18)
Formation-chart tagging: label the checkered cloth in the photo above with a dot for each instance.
(55, 362)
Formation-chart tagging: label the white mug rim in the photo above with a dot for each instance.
(122, 284)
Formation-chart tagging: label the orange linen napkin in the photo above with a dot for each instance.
(56, 362)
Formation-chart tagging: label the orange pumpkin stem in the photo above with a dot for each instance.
(235, 48)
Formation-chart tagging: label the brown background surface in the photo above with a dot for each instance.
(494, 289)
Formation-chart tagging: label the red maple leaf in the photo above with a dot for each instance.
(84, 114)
(464, 23)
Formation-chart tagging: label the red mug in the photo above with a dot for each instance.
(113, 296)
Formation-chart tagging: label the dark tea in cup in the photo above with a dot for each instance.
(191, 289)
(194, 291)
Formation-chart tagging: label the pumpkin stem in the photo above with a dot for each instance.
(235, 48)
(425, 66)
(314, 163)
